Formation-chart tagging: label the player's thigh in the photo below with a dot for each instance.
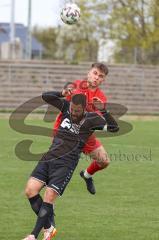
(99, 154)
(33, 187)
(91, 144)
(59, 177)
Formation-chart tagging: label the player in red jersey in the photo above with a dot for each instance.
(96, 100)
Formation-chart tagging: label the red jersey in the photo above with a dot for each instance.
(80, 86)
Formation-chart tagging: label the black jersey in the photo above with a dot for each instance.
(71, 137)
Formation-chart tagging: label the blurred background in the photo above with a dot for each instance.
(38, 52)
(115, 31)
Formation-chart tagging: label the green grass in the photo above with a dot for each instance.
(124, 208)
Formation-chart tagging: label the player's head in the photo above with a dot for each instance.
(77, 107)
(97, 74)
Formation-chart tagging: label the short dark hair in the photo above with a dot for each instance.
(79, 99)
(101, 66)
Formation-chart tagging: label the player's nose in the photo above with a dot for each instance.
(96, 77)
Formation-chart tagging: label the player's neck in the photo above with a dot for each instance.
(91, 88)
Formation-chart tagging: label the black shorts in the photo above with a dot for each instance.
(55, 175)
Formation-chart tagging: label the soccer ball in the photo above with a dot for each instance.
(70, 14)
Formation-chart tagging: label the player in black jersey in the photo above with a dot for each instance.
(56, 167)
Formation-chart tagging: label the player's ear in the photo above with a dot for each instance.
(88, 75)
(89, 72)
(103, 79)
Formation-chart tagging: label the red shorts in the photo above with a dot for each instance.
(91, 144)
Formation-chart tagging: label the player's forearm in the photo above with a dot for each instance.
(111, 124)
(48, 96)
(105, 122)
(53, 98)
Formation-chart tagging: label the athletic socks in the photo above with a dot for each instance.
(36, 203)
(92, 168)
(45, 212)
(86, 174)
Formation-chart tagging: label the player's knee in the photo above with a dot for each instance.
(104, 163)
(50, 195)
(30, 192)
(102, 158)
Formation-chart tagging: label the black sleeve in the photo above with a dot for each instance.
(112, 125)
(53, 98)
(95, 121)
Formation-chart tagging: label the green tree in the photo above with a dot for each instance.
(153, 37)
(79, 42)
(134, 24)
(47, 36)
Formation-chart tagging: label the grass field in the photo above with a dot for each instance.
(124, 208)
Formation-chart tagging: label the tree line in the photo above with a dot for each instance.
(132, 24)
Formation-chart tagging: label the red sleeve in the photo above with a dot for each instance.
(101, 96)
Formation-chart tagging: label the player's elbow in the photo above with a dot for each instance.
(48, 97)
(113, 128)
(44, 96)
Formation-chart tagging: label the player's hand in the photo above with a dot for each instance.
(98, 104)
(67, 92)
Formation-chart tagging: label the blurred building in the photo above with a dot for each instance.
(19, 47)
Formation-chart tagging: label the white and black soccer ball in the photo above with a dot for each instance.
(70, 14)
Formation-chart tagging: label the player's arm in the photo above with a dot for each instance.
(54, 98)
(109, 125)
(100, 101)
(112, 125)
